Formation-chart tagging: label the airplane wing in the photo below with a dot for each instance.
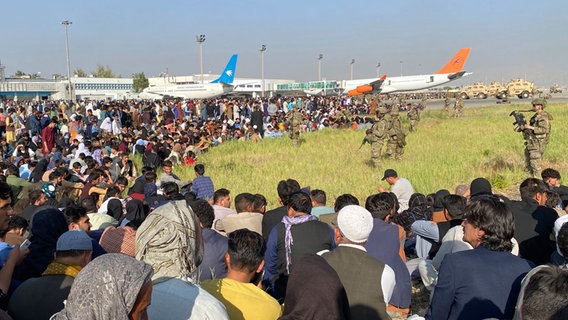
(373, 87)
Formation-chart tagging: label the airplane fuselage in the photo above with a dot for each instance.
(406, 83)
(190, 91)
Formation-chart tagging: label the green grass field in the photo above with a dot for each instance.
(443, 153)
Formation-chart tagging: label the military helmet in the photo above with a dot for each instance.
(394, 111)
(382, 110)
(540, 101)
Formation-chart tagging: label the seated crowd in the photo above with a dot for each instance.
(108, 240)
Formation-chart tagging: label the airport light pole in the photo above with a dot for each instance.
(262, 49)
(352, 63)
(200, 39)
(320, 57)
(66, 23)
(378, 69)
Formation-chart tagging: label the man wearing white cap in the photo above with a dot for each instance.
(368, 282)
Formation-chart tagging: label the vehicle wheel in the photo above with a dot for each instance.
(482, 95)
(464, 95)
(524, 95)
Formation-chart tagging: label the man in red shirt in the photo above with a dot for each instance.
(48, 137)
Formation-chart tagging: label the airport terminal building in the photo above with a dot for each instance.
(122, 88)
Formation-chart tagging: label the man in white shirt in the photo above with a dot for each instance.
(401, 187)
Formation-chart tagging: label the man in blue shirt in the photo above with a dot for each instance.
(202, 185)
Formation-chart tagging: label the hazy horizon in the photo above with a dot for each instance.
(509, 39)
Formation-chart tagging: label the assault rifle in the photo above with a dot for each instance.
(367, 138)
(519, 117)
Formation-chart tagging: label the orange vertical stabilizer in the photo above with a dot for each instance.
(456, 63)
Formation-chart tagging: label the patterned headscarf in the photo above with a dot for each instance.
(106, 288)
(288, 240)
(170, 241)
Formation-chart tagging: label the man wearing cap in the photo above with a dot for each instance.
(401, 187)
(378, 136)
(368, 282)
(47, 293)
(536, 135)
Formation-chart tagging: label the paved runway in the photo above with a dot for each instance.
(475, 103)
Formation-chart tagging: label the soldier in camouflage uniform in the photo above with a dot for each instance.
(447, 103)
(379, 132)
(536, 135)
(397, 136)
(458, 107)
(414, 116)
(294, 120)
(424, 101)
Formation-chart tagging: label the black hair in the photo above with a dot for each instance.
(552, 199)
(246, 249)
(70, 253)
(300, 202)
(34, 195)
(455, 205)
(121, 180)
(6, 191)
(54, 175)
(546, 295)
(562, 240)
(89, 204)
(18, 222)
(200, 169)
(150, 176)
(550, 173)
(345, 200)
(530, 187)
(380, 205)
(258, 203)
(112, 191)
(74, 213)
(204, 212)
(492, 216)
(167, 163)
(244, 202)
(169, 189)
(220, 194)
(318, 196)
(286, 188)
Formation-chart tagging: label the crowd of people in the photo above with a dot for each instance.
(115, 240)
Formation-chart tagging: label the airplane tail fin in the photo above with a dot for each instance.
(229, 73)
(456, 63)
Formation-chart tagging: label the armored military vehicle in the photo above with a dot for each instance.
(520, 88)
(476, 90)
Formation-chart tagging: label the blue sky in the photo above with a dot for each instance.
(509, 38)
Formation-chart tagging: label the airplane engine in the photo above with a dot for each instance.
(353, 92)
(364, 89)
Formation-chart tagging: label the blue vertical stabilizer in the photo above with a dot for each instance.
(229, 73)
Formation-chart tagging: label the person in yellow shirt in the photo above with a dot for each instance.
(240, 291)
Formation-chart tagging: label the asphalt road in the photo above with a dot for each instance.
(475, 103)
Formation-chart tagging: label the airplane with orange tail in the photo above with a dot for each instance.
(453, 70)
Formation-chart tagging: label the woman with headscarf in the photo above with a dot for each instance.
(47, 225)
(38, 171)
(113, 286)
(134, 211)
(315, 292)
